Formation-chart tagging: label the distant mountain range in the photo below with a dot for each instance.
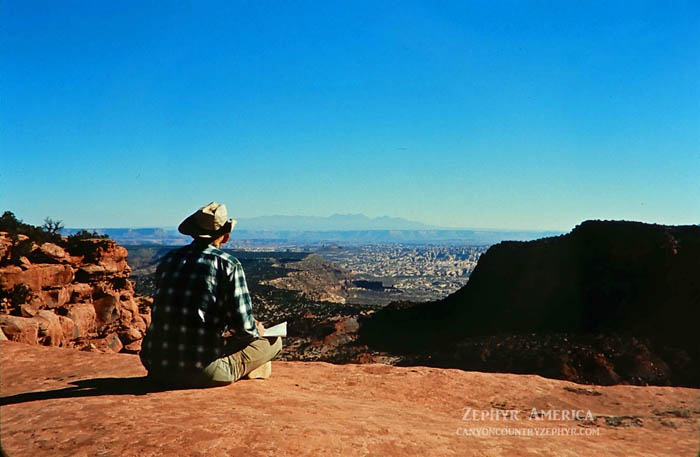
(341, 228)
(342, 222)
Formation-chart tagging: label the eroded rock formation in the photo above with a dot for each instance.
(77, 295)
(316, 279)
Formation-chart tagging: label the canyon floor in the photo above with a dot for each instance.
(63, 402)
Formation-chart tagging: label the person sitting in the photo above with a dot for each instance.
(201, 295)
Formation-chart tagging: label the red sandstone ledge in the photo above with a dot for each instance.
(63, 402)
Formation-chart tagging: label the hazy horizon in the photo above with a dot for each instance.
(243, 221)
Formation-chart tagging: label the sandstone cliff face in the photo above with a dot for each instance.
(76, 295)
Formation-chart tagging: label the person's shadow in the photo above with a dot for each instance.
(140, 385)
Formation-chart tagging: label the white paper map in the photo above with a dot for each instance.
(276, 330)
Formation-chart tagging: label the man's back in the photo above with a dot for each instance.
(200, 292)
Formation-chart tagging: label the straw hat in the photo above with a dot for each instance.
(209, 221)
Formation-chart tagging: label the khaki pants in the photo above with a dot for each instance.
(225, 370)
(235, 366)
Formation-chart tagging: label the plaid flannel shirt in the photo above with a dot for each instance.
(201, 292)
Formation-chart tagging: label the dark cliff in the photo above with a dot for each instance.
(604, 276)
(638, 283)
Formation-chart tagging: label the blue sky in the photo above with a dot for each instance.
(514, 115)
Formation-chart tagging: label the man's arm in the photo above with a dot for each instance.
(243, 304)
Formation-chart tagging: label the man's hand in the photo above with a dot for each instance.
(261, 328)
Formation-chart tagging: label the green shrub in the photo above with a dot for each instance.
(49, 232)
(52, 226)
(76, 244)
(86, 235)
(20, 249)
(10, 224)
(18, 295)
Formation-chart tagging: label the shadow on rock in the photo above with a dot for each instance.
(140, 385)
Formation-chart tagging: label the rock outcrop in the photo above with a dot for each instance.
(75, 296)
(60, 402)
(316, 279)
(610, 302)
